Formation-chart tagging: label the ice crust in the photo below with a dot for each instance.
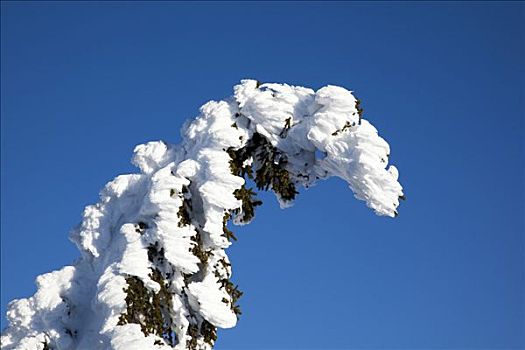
(78, 307)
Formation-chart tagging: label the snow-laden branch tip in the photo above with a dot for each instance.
(153, 272)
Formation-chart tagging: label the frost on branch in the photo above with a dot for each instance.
(153, 272)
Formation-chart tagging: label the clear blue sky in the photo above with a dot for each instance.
(83, 83)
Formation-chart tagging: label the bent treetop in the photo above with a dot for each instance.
(153, 272)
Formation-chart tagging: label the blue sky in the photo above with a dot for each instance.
(83, 83)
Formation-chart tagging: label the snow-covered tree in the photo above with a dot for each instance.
(153, 272)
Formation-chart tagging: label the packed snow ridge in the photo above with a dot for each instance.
(153, 272)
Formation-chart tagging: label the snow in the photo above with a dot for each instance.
(130, 337)
(207, 298)
(78, 307)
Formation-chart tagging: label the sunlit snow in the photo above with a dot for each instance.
(78, 307)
